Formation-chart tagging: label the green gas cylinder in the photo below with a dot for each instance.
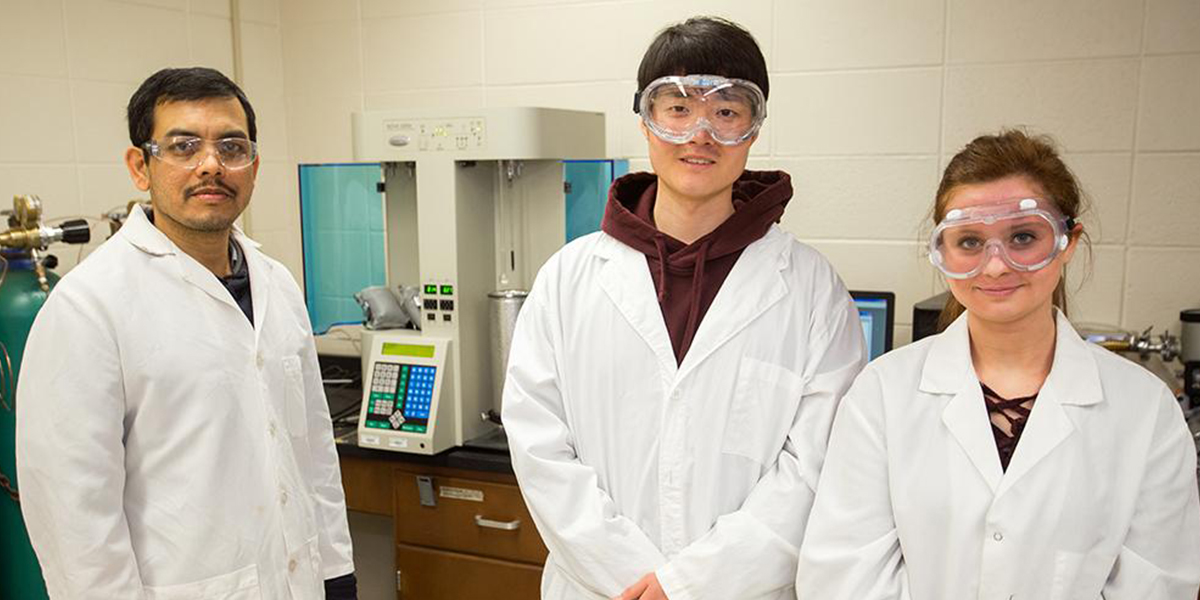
(20, 299)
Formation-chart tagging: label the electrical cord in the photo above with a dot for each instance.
(7, 486)
(339, 372)
(347, 417)
(8, 380)
(7, 383)
(336, 324)
(6, 366)
(343, 334)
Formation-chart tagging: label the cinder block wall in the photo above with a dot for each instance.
(868, 101)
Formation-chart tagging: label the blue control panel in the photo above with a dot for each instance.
(419, 394)
(401, 397)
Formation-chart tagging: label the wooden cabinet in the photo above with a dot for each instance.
(466, 516)
(368, 485)
(459, 534)
(428, 574)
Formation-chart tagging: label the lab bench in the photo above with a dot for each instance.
(460, 526)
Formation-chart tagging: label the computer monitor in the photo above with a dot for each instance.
(877, 312)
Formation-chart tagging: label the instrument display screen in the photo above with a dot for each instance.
(415, 350)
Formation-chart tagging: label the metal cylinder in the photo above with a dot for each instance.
(503, 307)
(21, 297)
(1189, 335)
(1189, 353)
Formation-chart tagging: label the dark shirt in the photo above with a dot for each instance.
(687, 277)
(1015, 412)
(342, 588)
(238, 281)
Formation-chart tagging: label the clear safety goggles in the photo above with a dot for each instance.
(1026, 234)
(188, 152)
(676, 108)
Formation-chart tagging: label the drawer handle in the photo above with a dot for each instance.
(512, 525)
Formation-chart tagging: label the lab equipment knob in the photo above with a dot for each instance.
(76, 231)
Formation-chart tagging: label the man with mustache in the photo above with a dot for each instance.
(174, 440)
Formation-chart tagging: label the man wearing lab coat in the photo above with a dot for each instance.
(673, 378)
(173, 439)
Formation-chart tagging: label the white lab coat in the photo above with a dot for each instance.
(702, 472)
(1099, 500)
(167, 450)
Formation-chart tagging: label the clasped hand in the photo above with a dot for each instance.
(647, 588)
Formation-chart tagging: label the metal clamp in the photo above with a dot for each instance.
(1145, 344)
(425, 490)
(512, 525)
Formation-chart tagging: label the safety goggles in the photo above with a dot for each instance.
(676, 108)
(1026, 234)
(188, 151)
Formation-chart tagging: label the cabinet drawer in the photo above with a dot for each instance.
(426, 574)
(475, 517)
(368, 485)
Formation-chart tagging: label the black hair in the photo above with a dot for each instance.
(175, 85)
(704, 46)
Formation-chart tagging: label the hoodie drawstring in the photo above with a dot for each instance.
(660, 243)
(697, 286)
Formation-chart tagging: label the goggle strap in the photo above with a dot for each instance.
(637, 102)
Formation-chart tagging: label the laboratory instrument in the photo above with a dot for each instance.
(461, 203)
(504, 306)
(877, 314)
(1189, 344)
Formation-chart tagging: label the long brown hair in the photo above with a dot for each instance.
(1012, 152)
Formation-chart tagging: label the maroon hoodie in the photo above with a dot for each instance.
(688, 276)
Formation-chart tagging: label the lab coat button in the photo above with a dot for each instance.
(292, 566)
(283, 497)
(998, 536)
(271, 428)
(258, 360)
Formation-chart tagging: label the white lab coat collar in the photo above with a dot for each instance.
(746, 293)
(1074, 380)
(1074, 377)
(143, 235)
(626, 278)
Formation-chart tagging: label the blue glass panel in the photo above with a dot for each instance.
(341, 218)
(588, 193)
(620, 168)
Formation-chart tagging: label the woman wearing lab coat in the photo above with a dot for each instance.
(1005, 457)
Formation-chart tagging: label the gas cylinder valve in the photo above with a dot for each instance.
(28, 232)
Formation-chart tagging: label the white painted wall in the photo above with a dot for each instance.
(869, 99)
(67, 70)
